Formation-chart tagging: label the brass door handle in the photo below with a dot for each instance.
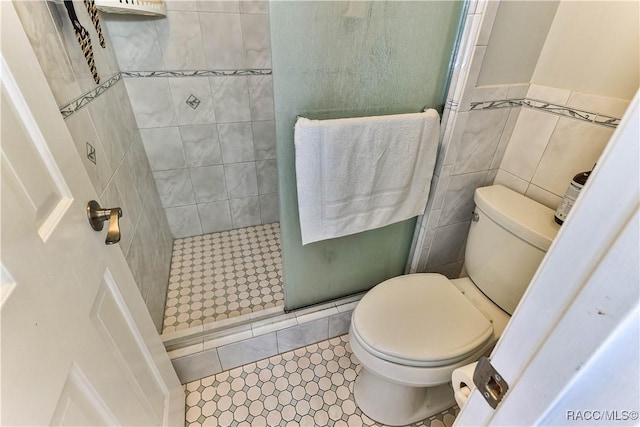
(97, 216)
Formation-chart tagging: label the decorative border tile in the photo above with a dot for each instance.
(489, 105)
(559, 110)
(548, 107)
(198, 73)
(607, 121)
(78, 103)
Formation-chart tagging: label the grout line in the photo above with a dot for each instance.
(546, 147)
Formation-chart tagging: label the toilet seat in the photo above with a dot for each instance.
(389, 322)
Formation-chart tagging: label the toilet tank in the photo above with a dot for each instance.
(507, 243)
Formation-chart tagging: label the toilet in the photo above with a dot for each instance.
(411, 332)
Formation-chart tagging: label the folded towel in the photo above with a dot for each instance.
(363, 173)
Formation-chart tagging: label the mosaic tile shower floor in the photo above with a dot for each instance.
(222, 275)
(310, 386)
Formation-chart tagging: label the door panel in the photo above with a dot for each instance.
(590, 301)
(78, 344)
(117, 330)
(80, 404)
(31, 162)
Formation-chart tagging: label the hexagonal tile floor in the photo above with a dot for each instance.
(310, 386)
(221, 275)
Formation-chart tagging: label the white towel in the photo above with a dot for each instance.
(363, 173)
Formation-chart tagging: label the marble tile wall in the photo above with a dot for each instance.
(528, 137)
(471, 148)
(550, 145)
(121, 174)
(207, 120)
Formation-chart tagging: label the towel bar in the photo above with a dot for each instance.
(424, 109)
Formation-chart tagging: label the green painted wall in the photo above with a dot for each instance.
(347, 59)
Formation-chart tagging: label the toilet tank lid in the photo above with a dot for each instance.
(526, 218)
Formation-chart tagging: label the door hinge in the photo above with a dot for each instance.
(489, 382)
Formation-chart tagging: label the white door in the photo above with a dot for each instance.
(571, 352)
(78, 345)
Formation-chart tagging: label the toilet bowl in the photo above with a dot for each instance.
(411, 332)
(401, 383)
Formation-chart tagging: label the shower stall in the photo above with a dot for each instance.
(209, 117)
(200, 84)
(226, 189)
(190, 131)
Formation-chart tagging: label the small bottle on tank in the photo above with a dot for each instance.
(576, 184)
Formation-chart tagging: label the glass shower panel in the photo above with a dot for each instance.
(348, 59)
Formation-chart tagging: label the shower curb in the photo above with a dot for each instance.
(208, 349)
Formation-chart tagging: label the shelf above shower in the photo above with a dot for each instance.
(133, 7)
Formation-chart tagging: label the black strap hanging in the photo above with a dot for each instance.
(83, 38)
(93, 13)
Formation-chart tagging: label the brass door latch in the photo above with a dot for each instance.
(97, 216)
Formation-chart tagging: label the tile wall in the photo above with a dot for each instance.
(530, 138)
(547, 148)
(471, 148)
(102, 117)
(200, 84)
